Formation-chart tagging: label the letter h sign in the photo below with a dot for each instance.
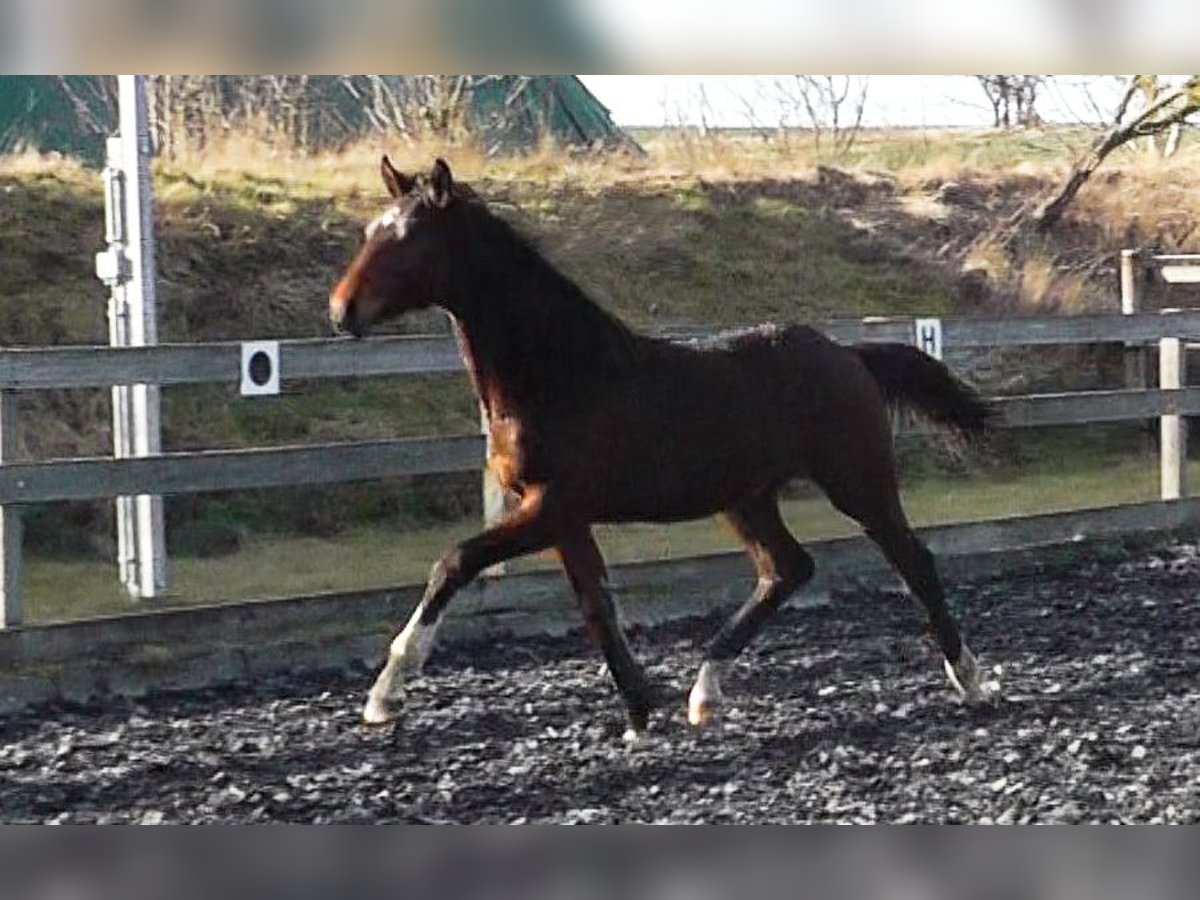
(928, 336)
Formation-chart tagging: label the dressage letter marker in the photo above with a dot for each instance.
(929, 336)
(260, 368)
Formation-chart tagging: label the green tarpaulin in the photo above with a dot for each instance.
(510, 113)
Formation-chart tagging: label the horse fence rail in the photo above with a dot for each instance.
(218, 362)
(23, 482)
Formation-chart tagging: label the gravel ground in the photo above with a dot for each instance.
(839, 714)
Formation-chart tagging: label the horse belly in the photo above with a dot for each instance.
(682, 467)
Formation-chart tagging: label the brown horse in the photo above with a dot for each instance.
(592, 422)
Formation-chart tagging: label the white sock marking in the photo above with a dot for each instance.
(705, 697)
(966, 677)
(411, 647)
(406, 656)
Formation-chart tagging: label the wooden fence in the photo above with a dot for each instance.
(191, 472)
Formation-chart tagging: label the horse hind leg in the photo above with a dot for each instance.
(782, 566)
(874, 502)
(915, 563)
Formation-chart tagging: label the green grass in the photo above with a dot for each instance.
(266, 567)
(211, 417)
(277, 566)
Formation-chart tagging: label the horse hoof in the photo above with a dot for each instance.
(962, 680)
(967, 680)
(634, 738)
(379, 712)
(990, 689)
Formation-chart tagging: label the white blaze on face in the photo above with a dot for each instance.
(391, 219)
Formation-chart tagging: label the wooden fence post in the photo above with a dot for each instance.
(1172, 375)
(1135, 357)
(10, 522)
(1129, 284)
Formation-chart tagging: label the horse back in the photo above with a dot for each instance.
(698, 425)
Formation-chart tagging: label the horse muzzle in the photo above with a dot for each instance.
(347, 325)
(344, 320)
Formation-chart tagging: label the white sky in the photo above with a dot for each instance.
(892, 100)
(937, 36)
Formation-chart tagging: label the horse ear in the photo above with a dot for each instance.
(441, 183)
(396, 181)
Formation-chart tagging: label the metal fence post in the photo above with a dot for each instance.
(144, 435)
(1172, 374)
(10, 521)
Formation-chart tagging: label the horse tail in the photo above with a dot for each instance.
(911, 379)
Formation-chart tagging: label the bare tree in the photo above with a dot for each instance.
(1147, 109)
(382, 102)
(829, 106)
(1025, 100)
(1163, 143)
(184, 110)
(312, 112)
(687, 112)
(304, 110)
(1013, 99)
(753, 108)
(440, 103)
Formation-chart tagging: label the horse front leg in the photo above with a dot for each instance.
(525, 530)
(586, 571)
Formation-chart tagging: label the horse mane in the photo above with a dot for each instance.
(542, 329)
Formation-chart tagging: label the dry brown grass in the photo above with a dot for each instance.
(916, 158)
(1136, 198)
(1145, 199)
(1045, 288)
(32, 164)
(989, 257)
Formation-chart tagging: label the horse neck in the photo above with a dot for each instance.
(528, 334)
